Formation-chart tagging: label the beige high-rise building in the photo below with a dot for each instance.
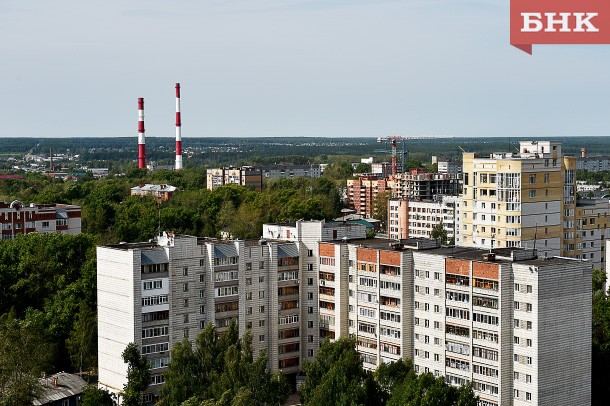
(525, 199)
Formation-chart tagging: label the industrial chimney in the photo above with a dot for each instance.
(178, 130)
(583, 152)
(141, 137)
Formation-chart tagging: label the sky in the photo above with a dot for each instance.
(290, 68)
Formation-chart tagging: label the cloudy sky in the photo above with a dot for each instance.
(293, 68)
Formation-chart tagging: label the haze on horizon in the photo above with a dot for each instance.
(291, 68)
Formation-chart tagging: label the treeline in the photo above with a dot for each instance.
(111, 215)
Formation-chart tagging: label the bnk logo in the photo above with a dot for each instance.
(559, 22)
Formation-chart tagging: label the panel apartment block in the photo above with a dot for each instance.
(516, 326)
(17, 219)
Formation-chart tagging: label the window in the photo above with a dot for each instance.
(310, 281)
(261, 338)
(528, 396)
(310, 253)
(261, 323)
(153, 284)
(532, 179)
(310, 324)
(261, 309)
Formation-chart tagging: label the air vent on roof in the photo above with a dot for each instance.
(489, 256)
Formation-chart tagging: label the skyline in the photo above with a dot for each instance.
(291, 69)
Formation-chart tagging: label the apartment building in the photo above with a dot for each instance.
(361, 193)
(446, 165)
(588, 231)
(526, 199)
(157, 293)
(160, 192)
(593, 163)
(503, 319)
(245, 176)
(506, 321)
(417, 218)
(17, 218)
(418, 184)
(291, 171)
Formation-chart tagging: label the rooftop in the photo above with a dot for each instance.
(58, 387)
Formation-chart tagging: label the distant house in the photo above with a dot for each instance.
(61, 389)
(161, 192)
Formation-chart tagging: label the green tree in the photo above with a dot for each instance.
(82, 342)
(220, 370)
(439, 232)
(380, 207)
(336, 377)
(138, 375)
(93, 396)
(390, 376)
(362, 168)
(426, 390)
(24, 356)
(600, 374)
(339, 170)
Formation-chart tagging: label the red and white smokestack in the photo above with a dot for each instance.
(178, 130)
(141, 137)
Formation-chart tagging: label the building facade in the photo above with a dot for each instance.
(504, 320)
(361, 193)
(593, 163)
(291, 171)
(520, 200)
(160, 192)
(419, 184)
(247, 176)
(417, 218)
(155, 294)
(17, 218)
(493, 319)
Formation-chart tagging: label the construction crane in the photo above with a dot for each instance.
(395, 138)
